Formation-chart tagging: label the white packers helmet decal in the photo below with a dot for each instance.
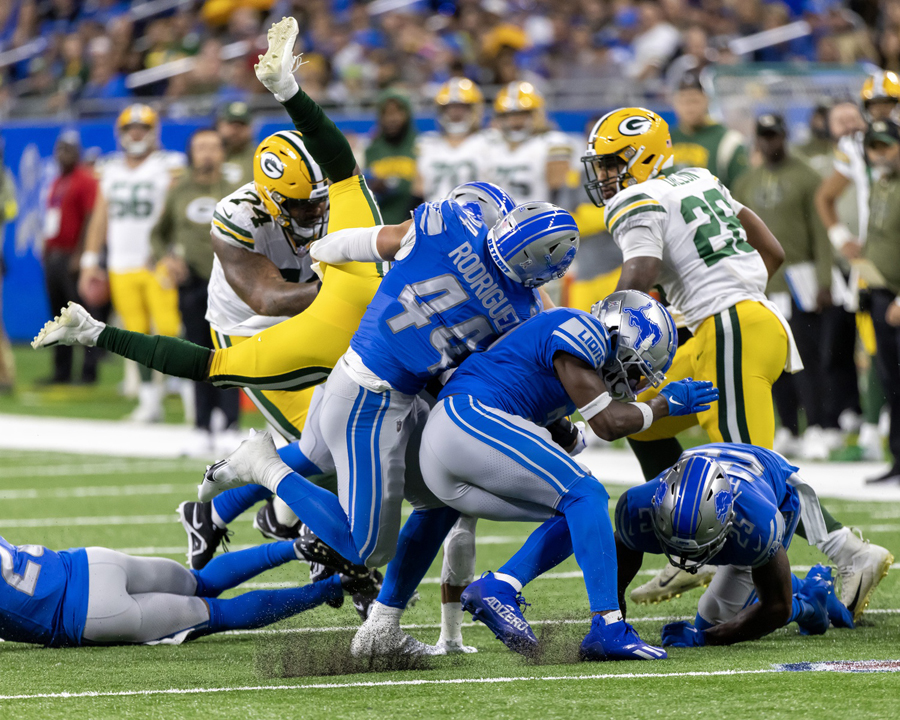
(271, 165)
(635, 125)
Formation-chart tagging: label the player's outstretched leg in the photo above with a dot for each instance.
(861, 566)
(499, 605)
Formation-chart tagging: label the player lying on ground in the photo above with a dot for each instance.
(97, 596)
(540, 371)
(736, 507)
(713, 257)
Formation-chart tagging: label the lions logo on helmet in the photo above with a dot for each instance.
(292, 187)
(625, 147)
(136, 129)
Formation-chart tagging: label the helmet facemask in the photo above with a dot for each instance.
(463, 126)
(302, 220)
(607, 175)
(137, 148)
(516, 131)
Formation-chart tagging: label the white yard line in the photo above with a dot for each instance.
(97, 491)
(167, 519)
(125, 467)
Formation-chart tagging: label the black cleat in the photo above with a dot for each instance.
(266, 522)
(203, 534)
(362, 601)
(317, 572)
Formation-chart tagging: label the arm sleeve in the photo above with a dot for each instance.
(581, 335)
(325, 142)
(350, 245)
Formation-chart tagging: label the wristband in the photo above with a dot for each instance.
(595, 406)
(89, 259)
(839, 235)
(647, 412)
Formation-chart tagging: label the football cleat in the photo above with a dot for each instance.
(317, 572)
(861, 566)
(670, 583)
(366, 584)
(838, 613)
(362, 602)
(239, 467)
(381, 634)
(496, 604)
(267, 523)
(204, 536)
(815, 593)
(73, 326)
(314, 550)
(276, 68)
(616, 641)
(453, 647)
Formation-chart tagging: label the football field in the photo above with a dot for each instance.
(299, 668)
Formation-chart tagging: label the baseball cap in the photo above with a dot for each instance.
(884, 131)
(690, 80)
(770, 124)
(236, 111)
(69, 136)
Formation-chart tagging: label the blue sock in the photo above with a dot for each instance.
(232, 503)
(799, 608)
(586, 508)
(262, 607)
(417, 547)
(322, 513)
(544, 549)
(298, 462)
(231, 569)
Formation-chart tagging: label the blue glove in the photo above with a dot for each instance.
(689, 396)
(682, 634)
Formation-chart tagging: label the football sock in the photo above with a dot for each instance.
(169, 355)
(452, 617)
(586, 509)
(231, 569)
(509, 579)
(321, 511)
(293, 457)
(544, 549)
(327, 145)
(232, 503)
(417, 547)
(263, 607)
(656, 455)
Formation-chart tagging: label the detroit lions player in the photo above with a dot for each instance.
(97, 596)
(735, 506)
(455, 286)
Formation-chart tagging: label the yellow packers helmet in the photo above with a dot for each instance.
(882, 86)
(519, 109)
(460, 106)
(626, 147)
(141, 115)
(292, 187)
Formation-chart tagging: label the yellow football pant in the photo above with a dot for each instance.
(141, 301)
(582, 294)
(742, 350)
(300, 353)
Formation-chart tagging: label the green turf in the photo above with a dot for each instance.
(36, 488)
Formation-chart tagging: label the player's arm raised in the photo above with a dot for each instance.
(762, 240)
(259, 283)
(372, 244)
(94, 242)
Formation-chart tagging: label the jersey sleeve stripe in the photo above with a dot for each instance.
(632, 211)
(218, 227)
(620, 212)
(616, 204)
(225, 222)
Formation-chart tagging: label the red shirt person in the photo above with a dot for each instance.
(69, 206)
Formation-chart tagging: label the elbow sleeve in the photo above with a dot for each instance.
(350, 245)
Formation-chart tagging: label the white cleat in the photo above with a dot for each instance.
(452, 647)
(276, 68)
(239, 468)
(861, 567)
(670, 583)
(381, 634)
(73, 326)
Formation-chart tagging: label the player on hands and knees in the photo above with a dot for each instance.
(737, 507)
(713, 258)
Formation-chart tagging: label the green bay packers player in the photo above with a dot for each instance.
(131, 196)
(527, 159)
(712, 257)
(457, 153)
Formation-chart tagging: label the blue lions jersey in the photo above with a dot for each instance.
(516, 373)
(444, 300)
(44, 594)
(766, 507)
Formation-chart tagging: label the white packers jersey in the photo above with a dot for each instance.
(135, 198)
(850, 161)
(241, 220)
(522, 170)
(689, 221)
(442, 167)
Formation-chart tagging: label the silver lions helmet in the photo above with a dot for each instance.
(692, 511)
(644, 340)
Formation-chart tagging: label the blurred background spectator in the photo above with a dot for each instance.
(8, 211)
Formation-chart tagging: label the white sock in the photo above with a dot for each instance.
(451, 622)
(217, 519)
(509, 579)
(612, 617)
(272, 473)
(284, 514)
(834, 542)
(385, 614)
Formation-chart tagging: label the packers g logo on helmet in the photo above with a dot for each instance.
(137, 114)
(292, 187)
(626, 147)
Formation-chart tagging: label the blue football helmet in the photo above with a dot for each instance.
(644, 341)
(692, 511)
(534, 243)
(490, 201)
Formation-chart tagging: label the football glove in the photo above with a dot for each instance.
(682, 634)
(689, 396)
(580, 441)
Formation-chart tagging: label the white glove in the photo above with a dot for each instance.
(580, 442)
